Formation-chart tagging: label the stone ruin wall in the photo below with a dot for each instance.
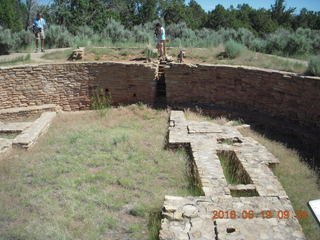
(71, 85)
(279, 94)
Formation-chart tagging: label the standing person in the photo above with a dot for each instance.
(38, 30)
(161, 38)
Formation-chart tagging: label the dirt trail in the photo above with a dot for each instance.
(35, 57)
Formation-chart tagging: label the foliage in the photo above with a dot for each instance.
(24, 39)
(59, 37)
(115, 31)
(7, 41)
(12, 13)
(19, 59)
(101, 101)
(314, 66)
(234, 49)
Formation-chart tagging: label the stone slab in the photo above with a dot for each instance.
(12, 114)
(14, 127)
(203, 127)
(28, 137)
(191, 217)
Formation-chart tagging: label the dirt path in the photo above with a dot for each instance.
(35, 57)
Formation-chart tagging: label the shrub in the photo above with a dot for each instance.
(24, 39)
(228, 34)
(101, 101)
(316, 44)
(245, 36)
(115, 31)
(142, 35)
(234, 49)
(314, 66)
(258, 45)
(150, 53)
(297, 45)
(180, 30)
(7, 41)
(59, 37)
(277, 41)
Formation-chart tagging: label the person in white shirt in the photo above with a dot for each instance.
(161, 39)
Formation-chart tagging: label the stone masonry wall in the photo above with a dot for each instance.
(71, 85)
(280, 94)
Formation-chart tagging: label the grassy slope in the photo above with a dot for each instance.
(78, 181)
(248, 58)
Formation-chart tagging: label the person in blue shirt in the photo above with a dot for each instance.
(161, 39)
(38, 30)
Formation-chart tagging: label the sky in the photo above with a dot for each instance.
(208, 5)
(313, 5)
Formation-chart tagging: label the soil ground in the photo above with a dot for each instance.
(193, 55)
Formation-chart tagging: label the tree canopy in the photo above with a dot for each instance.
(72, 14)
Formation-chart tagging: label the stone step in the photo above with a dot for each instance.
(29, 136)
(14, 127)
(26, 112)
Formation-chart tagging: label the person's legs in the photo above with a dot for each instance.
(37, 43)
(42, 45)
(159, 47)
(42, 40)
(37, 35)
(164, 48)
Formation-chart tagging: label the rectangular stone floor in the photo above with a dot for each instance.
(235, 218)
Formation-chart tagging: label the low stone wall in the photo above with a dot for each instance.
(25, 113)
(71, 85)
(279, 94)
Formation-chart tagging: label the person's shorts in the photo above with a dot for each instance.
(40, 35)
(160, 42)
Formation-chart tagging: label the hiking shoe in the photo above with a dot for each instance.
(42, 50)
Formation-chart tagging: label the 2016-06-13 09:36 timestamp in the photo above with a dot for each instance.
(250, 214)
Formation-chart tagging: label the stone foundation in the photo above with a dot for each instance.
(278, 94)
(219, 215)
(71, 85)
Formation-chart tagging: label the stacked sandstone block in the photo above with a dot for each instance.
(71, 85)
(285, 95)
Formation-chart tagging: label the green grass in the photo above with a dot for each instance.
(314, 66)
(247, 58)
(77, 181)
(233, 169)
(17, 60)
(58, 55)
